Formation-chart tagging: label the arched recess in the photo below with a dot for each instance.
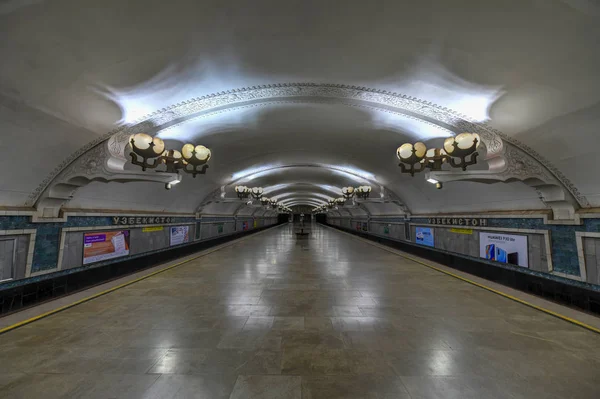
(319, 191)
(508, 159)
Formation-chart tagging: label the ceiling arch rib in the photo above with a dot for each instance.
(348, 172)
(279, 181)
(306, 200)
(296, 203)
(302, 186)
(299, 194)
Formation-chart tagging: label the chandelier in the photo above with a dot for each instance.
(321, 209)
(274, 203)
(242, 192)
(416, 157)
(348, 192)
(362, 192)
(340, 201)
(257, 192)
(149, 153)
(265, 201)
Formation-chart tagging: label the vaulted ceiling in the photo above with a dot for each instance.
(372, 75)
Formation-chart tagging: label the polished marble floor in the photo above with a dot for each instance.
(325, 317)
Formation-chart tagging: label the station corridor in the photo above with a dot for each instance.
(272, 316)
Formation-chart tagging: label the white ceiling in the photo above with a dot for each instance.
(71, 73)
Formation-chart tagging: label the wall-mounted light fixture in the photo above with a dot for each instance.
(242, 192)
(348, 192)
(192, 159)
(257, 192)
(283, 208)
(274, 203)
(415, 158)
(340, 200)
(265, 201)
(363, 192)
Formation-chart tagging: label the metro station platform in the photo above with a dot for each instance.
(270, 316)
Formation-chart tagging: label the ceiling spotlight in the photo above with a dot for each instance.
(170, 184)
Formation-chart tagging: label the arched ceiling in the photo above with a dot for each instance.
(380, 75)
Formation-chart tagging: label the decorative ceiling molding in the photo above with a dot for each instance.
(342, 94)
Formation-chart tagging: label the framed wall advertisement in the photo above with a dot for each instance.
(105, 245)
(424, 236)
(245, 225)
(179, 235)
(504, 248)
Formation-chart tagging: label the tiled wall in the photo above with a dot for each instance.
(565, 254)
(49, 237)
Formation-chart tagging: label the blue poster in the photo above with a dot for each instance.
(424, 236)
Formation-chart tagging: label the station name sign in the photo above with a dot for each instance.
(459, 221)
(126, 220)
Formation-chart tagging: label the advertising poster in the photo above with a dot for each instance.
(220, 228)
(504, 248)
(424, 236)
(386, 230)
(105, 245)
(365, 227)
(255, 224)
(245, 225)
(180, 235)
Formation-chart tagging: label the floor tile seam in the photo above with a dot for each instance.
(129, 283)
(466, 280)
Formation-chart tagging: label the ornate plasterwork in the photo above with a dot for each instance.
(517, 165)
(97, 164)
(409, 106)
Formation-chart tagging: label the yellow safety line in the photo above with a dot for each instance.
(521, 301)
(89, 298)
